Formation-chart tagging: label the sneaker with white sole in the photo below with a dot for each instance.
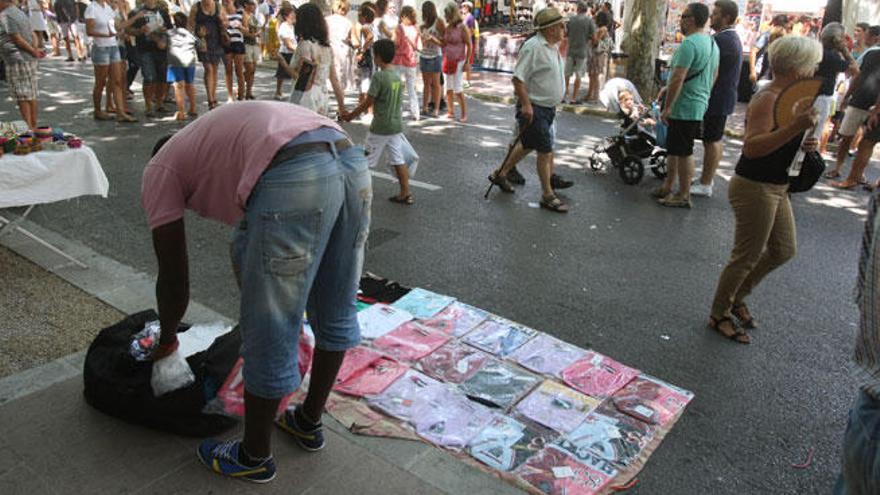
(309, 436)
(698, 189)
(222, 458)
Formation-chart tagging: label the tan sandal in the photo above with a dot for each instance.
(737, 336)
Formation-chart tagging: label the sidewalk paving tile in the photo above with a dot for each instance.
(442, 470)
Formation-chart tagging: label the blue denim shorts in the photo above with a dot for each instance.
(430, 64)
(105, 55)
(861, 449)
(300, 248)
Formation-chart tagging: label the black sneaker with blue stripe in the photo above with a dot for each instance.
(223, 458)
(309, 436)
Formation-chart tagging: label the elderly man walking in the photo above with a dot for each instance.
(694, 68)
(539, 86)
(723, 98)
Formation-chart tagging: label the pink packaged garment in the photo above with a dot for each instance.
(506, 443)
(557, 406)
(410, 342)
(456, 320)
(499, 384)
(230, 396)
(355, 360)
(556, 472)
(499, 336)
(445, 417)
(611, 435)
(398, 399)
(652, 400)
(547, 355)
(423, 303)
(454, 362)
(598, 375)
(373, 379)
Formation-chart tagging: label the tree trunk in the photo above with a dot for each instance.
(833, 12)
(643, 33)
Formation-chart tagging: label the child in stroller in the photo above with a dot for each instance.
(633, 145)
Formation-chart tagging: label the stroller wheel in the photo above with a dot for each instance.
(658, 164)
(631, 170)
(595, 163)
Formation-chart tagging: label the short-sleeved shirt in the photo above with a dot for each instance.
(699, 54)
(830, 67)
(285, 32)
(14, 21)
(580, 30)
(539, 66)
(865, 95)
(156, 19)
(181, 48)
(390, 23)
(212, 165)
(104, 17)
(723, 98)
(386, 89)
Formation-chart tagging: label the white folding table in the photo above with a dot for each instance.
(47, 177)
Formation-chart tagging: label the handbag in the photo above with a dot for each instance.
(450, 66)
(808, 174)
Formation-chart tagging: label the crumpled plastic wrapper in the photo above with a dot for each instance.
(171, 373)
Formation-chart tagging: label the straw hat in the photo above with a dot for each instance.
(547, 17)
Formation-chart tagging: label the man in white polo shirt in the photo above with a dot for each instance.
(539, 86)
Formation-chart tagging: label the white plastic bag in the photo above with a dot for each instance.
(171, 373)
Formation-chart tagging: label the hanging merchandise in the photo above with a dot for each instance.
(454, 362)
(597, 375)
(499, 336)
(422, 303)
(547, 355)
(499, 384)
(557, 406)
(457, 319)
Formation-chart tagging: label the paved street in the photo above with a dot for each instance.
(618, 274)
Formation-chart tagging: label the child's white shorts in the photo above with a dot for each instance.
(400, 152)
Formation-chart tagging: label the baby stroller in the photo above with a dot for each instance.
(633, 146)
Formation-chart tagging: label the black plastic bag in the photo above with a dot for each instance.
(118, 385)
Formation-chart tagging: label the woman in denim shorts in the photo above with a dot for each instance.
(100, 26)
(431, 58)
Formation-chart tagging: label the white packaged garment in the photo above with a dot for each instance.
(171, 373)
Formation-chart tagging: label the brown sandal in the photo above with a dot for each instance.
(742, 314)
(737, 336)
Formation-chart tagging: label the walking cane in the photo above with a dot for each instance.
(506, 157)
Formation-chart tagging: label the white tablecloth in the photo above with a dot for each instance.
(49, 176)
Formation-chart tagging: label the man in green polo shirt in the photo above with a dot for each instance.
(693, 69)
(539, 86)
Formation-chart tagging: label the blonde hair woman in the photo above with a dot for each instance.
(764, 236)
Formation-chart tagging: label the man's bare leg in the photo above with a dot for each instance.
(711, 159)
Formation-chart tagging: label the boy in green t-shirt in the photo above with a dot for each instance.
(386, 131)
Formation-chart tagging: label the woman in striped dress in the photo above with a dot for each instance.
(233, 60)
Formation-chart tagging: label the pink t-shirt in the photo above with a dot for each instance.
(212, 165)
